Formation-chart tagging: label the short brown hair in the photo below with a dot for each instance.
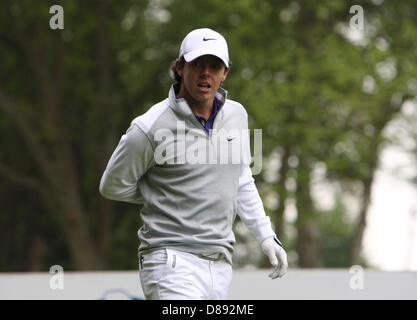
(174, 73)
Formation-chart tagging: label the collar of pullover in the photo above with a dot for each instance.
(181, 106)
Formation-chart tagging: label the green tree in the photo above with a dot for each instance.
(321, 97)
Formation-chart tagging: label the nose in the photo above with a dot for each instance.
(205, 69)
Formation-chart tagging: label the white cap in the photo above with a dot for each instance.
(204, 41)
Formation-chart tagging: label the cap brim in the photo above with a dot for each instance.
(190, 56)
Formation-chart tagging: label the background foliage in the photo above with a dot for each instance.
(322, 92)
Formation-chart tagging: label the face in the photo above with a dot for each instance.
(201, 78)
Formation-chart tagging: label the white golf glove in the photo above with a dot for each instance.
(277, 256)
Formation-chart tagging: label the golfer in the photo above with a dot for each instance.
(187, 160)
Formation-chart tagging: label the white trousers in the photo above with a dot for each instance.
(169, 274)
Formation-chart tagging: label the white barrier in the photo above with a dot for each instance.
(297, 284)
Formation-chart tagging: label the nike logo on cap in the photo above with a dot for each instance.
(208, 39)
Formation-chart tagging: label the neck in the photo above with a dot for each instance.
(202, 111)
(199, 108)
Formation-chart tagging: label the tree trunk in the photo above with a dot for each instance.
(52, 151)
(77, 235)
(307, 229)
(386, 115)
(308, 244)
(282, 194)
(103, 54)
(355, 252)
(37, 250)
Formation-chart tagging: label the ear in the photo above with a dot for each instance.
(226, 72)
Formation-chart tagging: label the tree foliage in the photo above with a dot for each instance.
(321, 96)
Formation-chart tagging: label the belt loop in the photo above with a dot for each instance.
(171, 258)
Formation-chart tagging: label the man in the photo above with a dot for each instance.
(190, 201)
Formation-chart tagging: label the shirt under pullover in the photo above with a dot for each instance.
(191, 184)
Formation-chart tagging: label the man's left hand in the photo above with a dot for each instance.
(277, 256)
